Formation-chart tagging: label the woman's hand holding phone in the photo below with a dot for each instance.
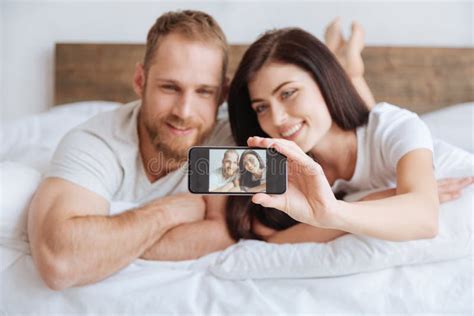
(309, 197)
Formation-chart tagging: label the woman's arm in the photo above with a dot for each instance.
(448, 189)
(298, 233)
(411, 214)
(304, 233)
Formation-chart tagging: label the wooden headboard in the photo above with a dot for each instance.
(421, 79)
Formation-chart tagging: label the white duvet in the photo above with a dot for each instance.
(187, 287)
(349, 275)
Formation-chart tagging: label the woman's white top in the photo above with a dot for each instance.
(390, 133)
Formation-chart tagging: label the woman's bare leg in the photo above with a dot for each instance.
(348, 53)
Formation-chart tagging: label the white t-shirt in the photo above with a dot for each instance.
(390, 133)
(217, 180)
(102, 155)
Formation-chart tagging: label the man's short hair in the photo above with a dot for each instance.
(231, 151)
(195, 25)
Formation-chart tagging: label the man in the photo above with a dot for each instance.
(223, 178)
(135, 154)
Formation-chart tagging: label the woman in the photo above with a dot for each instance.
(252, 172)
(290, 93)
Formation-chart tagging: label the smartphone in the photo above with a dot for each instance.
(236, 171)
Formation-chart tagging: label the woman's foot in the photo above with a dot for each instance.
(348, 53)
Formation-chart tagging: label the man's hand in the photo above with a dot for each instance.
(180, 208)
(195, 239)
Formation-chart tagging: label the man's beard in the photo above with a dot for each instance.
(174, 150)
(227, 174)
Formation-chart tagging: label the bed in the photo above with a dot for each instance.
(349, 275)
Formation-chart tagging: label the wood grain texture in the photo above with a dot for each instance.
(95, 72)
(419, 78)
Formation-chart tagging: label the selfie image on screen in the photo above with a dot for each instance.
(237, 170)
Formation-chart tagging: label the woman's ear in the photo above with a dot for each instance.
(224, 91)
(139, 80)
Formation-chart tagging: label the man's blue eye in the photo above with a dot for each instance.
(169, 87)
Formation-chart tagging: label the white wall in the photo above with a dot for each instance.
(2, 18)
(29, 30)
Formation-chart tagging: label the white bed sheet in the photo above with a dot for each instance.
(189, 287)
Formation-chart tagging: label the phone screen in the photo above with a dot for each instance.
(236, 170)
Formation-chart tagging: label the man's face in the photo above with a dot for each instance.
(181, 94)
(230, 164)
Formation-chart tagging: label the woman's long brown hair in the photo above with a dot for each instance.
(347, 109)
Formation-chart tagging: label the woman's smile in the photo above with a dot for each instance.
(292, 131)
(251, 164)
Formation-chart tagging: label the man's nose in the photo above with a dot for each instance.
(183, 106)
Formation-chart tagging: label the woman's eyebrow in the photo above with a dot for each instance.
(273, 91)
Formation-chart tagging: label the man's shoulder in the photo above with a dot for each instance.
(111, 119)
(110, 126)
(217, 171)
(97, 153)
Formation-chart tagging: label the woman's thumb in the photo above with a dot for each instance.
(272, 201)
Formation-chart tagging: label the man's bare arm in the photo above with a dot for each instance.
(74, 242)
(193, 240)
(258, 188)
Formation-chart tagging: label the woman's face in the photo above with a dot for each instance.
(289, 104)
(251, 163)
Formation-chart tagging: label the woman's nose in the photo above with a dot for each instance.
(279, 115)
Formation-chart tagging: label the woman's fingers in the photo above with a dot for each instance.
(451, 188)
(454, 184)
(278, 201)
(446, 197)
(302, 163)
(285, 147)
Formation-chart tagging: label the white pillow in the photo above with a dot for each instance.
(453, 124)
(17, 186)
(32, 140)
(353, 254)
